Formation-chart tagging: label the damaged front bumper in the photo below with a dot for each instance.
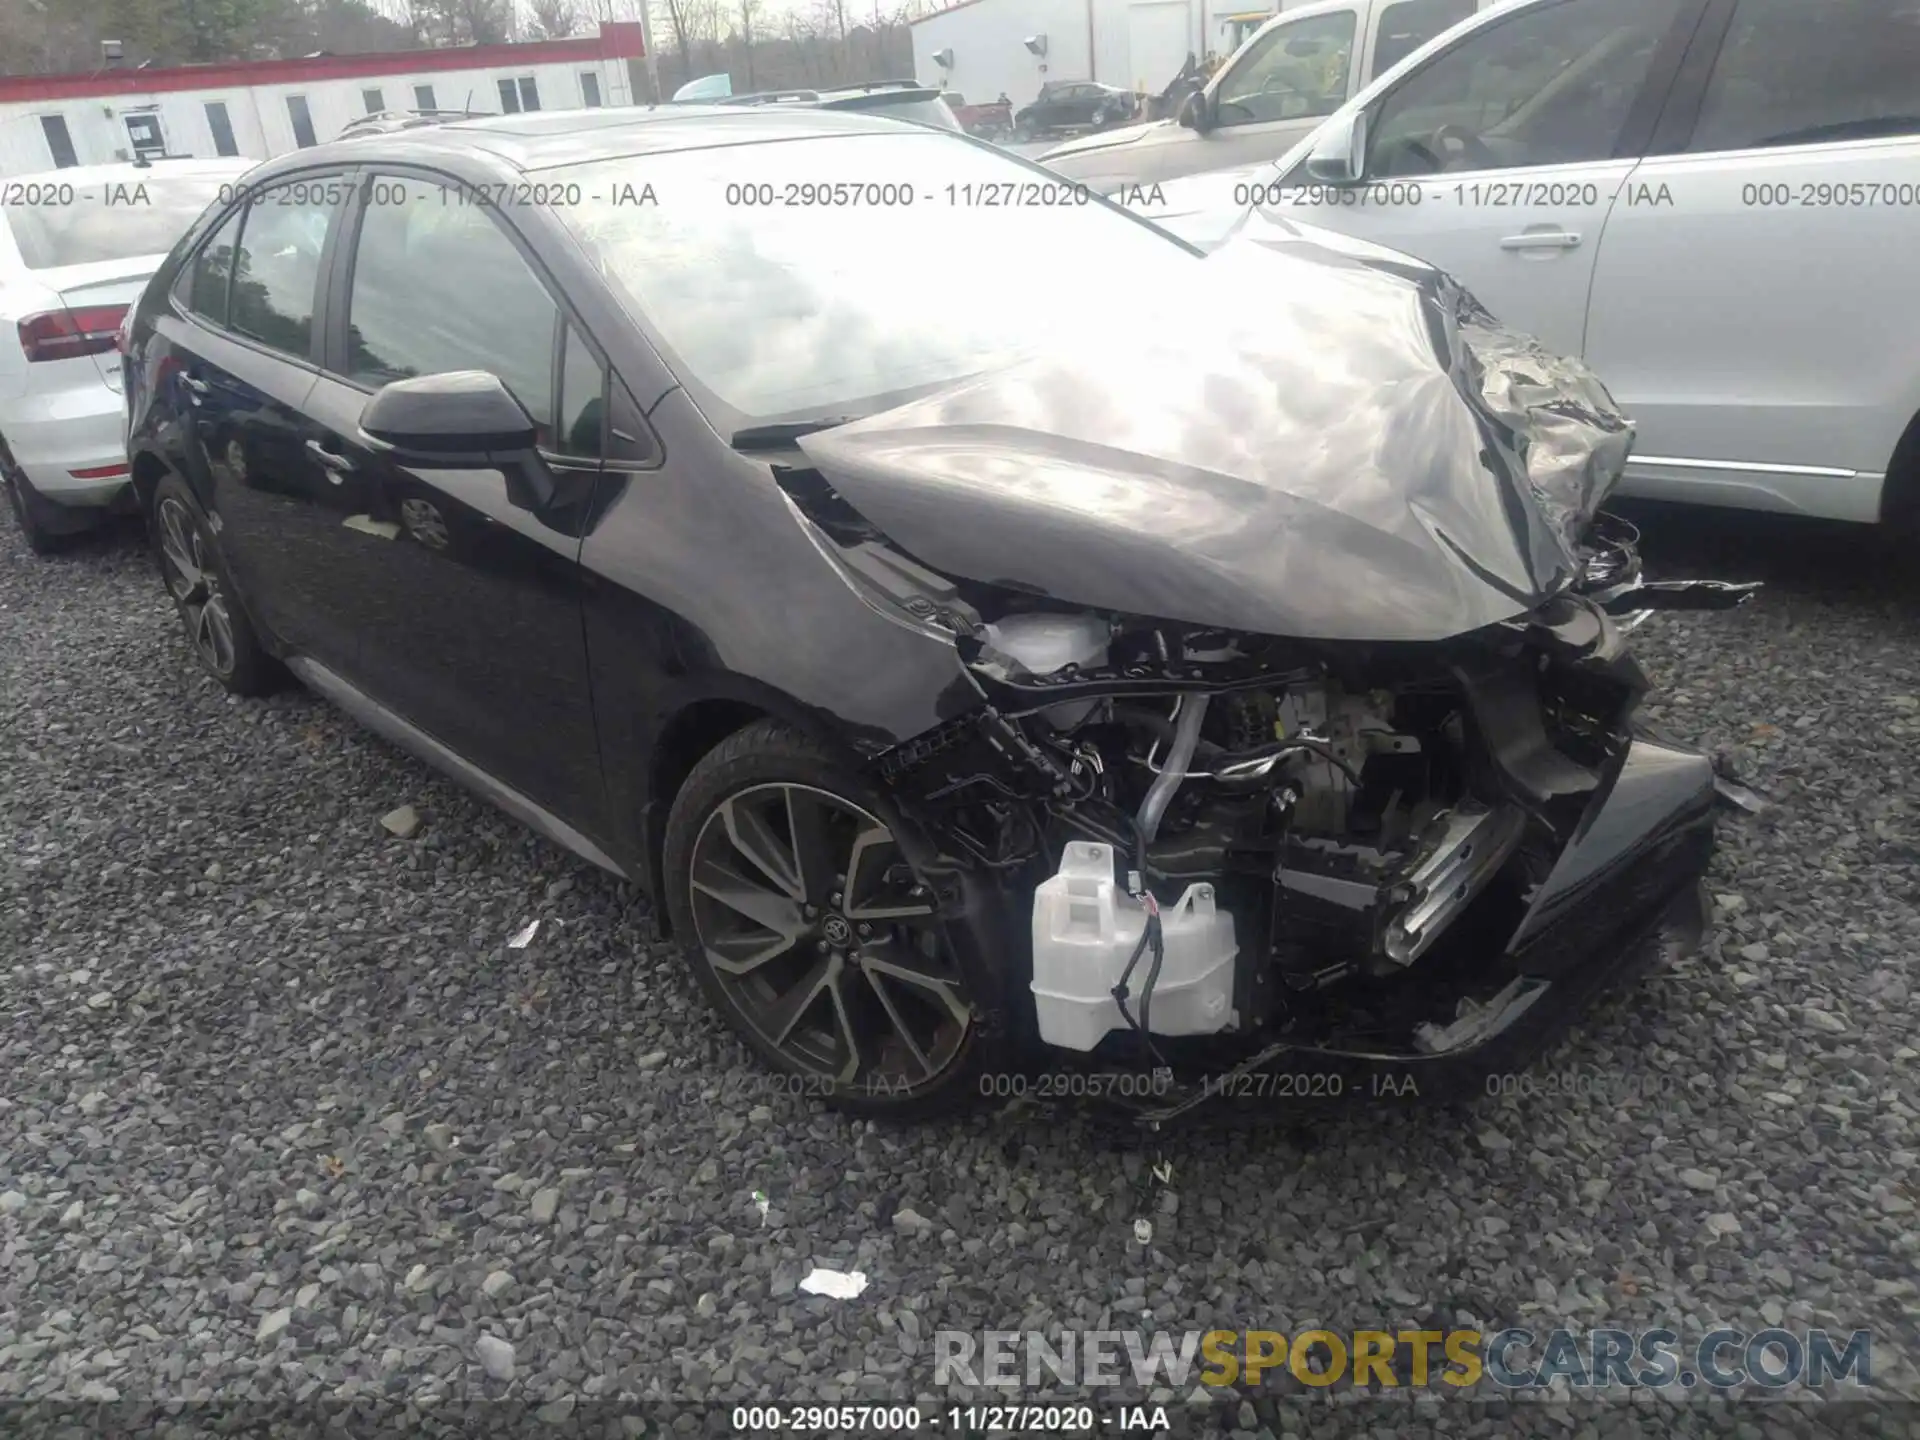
(1627, 894)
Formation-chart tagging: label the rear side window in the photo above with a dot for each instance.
(438, 286)
(1792, 73)
(277, 266)
(203, 288)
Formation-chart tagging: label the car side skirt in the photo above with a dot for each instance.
(1817, 491)
(409, 737)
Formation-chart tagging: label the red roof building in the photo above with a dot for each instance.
(263, 108)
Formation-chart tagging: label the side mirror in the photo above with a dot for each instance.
(1339, 154)
(1194, 114)
(460, 412)
(460, 419)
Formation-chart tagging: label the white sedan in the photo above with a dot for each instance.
(77, 246)
(1717, 205)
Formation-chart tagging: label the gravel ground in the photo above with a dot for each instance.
(285, 1118)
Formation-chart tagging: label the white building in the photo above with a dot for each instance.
(1016, 45)
(263, 108)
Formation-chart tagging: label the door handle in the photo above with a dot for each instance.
(334, 465)
(1542, 240)
(198, 387)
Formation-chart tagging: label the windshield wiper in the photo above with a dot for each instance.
(784, 432)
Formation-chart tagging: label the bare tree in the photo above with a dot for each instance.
(747, 12)
(803, 39)
(833, 21)
(413, 15)
(704, 30)
(682, 41)
(553, 19)
(485, 22)
(456, 22)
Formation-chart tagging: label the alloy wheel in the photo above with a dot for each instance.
(195, 586)
(425, 524)
(824, 940)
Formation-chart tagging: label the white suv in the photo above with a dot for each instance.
(1715, 202)
(1291, 73)
(76, 248)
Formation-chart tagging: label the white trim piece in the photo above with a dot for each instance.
(1753, 466)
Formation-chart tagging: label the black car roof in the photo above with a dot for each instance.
(561, 137)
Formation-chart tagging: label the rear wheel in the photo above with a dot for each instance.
(217, 627)
(812, 931)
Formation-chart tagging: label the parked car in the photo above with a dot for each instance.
(1710, 203)
(1297, 68)
(991, 119)
(1183, 697)
(76, 248)
(1074, 105)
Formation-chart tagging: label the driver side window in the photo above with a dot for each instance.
(1293, 72)
(437, 286)
(1551, 86)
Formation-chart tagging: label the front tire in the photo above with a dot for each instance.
(813, 932)
(203, 593)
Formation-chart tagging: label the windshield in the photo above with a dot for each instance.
(1295, 71)
(827, 275)
(60, 223)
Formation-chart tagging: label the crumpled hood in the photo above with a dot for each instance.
(1319, 439)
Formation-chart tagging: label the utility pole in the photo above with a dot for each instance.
(646, 43)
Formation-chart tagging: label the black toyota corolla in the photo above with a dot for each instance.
(989, 627)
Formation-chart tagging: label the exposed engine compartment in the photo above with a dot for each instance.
(1233, 845)
(1226, 834)
(1335, 822)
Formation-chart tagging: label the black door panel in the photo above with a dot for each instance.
(468, 603)
(470, 610)
(242, 369)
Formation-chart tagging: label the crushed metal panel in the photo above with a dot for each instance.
(1310, 444)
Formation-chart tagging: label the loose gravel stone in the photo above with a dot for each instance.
(496, 1356)
(909, 1222)
(403, 823)
(298, 1022)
